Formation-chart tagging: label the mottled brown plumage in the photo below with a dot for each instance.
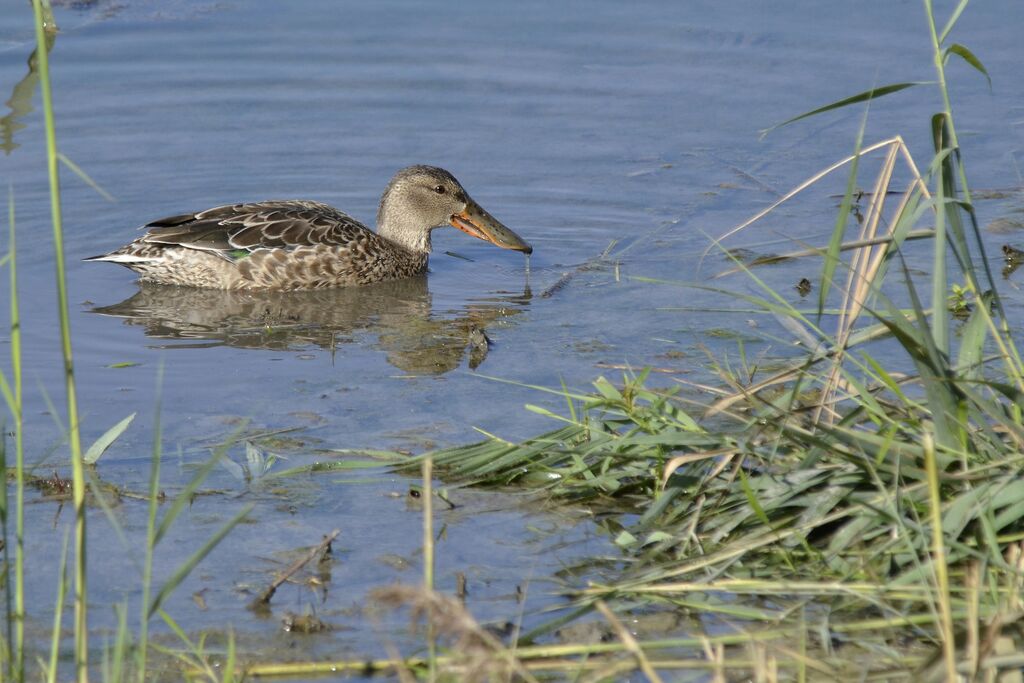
(298, 244)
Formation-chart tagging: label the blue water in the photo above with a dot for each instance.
(585, 127)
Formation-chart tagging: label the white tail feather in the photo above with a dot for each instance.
(122, 258)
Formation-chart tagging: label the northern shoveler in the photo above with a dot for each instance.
(298, 244)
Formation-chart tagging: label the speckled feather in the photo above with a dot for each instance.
(296, 244)
(289, 244)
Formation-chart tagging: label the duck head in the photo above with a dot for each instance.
(421, 198)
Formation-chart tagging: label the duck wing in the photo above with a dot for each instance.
(236, 230)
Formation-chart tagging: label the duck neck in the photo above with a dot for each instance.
(402, 229)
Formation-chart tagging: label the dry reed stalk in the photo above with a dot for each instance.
(629, 641)
(867, 261)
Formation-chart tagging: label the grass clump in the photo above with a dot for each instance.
(845, 515)
(126, 658)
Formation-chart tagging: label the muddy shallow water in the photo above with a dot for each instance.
(588, 128)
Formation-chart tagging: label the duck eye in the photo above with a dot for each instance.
(439, 189)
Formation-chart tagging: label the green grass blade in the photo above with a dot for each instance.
(1010, 355)
(85, 177)
(6, 657)
(100, 499)
(230, 659)
(972, 342)
(940, 285)
(961, 6)
(941, 401)
(178, 631)
(13, 394)
(185, 497)
(831, 260)
(969, 57)
(939, 559)
(188, 565)
(119, 655)
(865, 96)
(55, 634)
(752, 500)
(99, 447)
(78, 482)
(151, 528)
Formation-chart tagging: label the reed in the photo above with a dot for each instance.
(13, 396)
(81, 625)
(836, 518)
(151, 540)
(128, 654)
(428, 560)
(836, 481)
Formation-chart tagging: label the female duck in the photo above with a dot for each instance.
(298, 244)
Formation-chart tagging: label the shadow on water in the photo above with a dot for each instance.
(20, 102)
(414, 337)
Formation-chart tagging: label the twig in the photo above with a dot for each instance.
(568, 275)
(266, 595)
(818, 251)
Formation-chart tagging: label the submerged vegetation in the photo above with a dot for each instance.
(841, 517)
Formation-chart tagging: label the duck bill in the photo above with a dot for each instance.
(473, 220)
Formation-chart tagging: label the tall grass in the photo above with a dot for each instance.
(882, 508)
(847, 521)
(889, 502)
(129, 654)
(13, 397)
(428, 560)
(78, 483)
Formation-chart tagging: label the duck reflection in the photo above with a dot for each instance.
(415, 337)
(20, 102)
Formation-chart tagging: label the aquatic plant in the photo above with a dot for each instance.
(835, 512)
(880, 511)
(127, 657)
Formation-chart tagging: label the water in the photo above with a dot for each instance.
(582, 126)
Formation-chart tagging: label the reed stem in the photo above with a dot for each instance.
(81, 627)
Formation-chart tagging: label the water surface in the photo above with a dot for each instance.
(588, 128)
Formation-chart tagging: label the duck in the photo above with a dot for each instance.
(299, 244)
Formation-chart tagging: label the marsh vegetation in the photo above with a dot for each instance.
(847, 507)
